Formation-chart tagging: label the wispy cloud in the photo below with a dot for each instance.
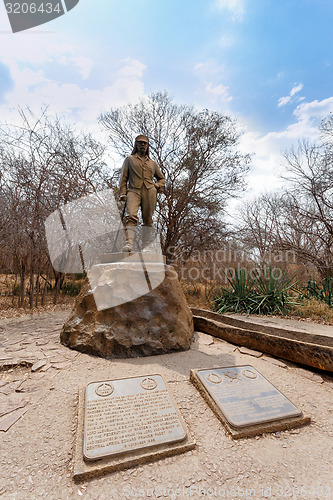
(83, 64)
(220, 91)
(296, 89)
(74, 101)
(210, 75)
(285, 100)
(68, 76)
(235, 7)
(268, 162)
(226, 41)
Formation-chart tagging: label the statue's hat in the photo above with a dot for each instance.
(142, 138)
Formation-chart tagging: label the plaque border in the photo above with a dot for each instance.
(250, 430)
(268, 419)
(83, 470)
(147, 447)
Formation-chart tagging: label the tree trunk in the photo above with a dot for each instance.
(45, 290)
(37, 287)
(22, 285)
(14, 288)
(57, 287)
(32, 289)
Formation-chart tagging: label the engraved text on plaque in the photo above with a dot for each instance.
(129, 414)
(245, 397)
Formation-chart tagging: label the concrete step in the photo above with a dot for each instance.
(305, 347)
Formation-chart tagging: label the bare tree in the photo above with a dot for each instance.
(197, 152)
(310, 201)
(44, 164)
(259, 222)
(299, 218)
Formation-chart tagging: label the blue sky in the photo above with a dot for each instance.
(267, 63)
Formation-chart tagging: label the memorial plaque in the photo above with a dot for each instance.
(129, 414)
(245, 400)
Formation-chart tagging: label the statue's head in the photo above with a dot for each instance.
(141, 142)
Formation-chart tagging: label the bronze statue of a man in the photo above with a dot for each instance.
(138, 189)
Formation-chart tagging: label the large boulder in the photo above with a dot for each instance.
(157, 322)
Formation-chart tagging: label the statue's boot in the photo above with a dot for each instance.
(130, 233)
(146, 238)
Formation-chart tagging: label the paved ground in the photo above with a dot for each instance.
(36, 451)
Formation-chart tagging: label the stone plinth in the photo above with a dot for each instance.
(157, 321)
(133, 257)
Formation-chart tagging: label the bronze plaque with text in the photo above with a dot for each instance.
(245, 397)
(129, 414)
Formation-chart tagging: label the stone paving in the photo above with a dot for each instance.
(30, 356)
(39, 383)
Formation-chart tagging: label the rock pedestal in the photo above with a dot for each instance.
(156, 322)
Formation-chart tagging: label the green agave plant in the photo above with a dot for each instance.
(323, 292)
(238, 298)
(272, 287)
(267, 292)
(327, 291)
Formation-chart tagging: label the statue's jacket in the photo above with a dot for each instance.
(137, 171)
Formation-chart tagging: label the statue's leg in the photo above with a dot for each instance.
(130, 234)
(132, 207)
(148, 205)
(146, 237)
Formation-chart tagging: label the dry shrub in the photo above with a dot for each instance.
(199, 294)
(7, 282)
(315, 310)
(194, 293)
(9, 310)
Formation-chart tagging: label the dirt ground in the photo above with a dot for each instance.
(36, 451)
(10, 311)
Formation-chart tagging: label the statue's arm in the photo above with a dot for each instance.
(160, 177)
(123, 179)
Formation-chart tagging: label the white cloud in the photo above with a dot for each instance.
(132, 69)
(236, 7)
(268, 149)
(83, 64)
(285, 100)
(220, 91)
(4, 21)
(210, 74)
(315, 110)
(296, 89)
(209, 68)
(76, 102)
(46, 71)
(35, 48)
(41, 66)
